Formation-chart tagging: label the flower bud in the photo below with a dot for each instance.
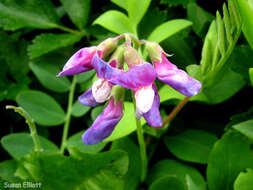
(117, 57)
(155, 51)
(107, 46)
(132, 57)
(101, 90)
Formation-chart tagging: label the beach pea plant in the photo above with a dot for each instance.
(126, 95)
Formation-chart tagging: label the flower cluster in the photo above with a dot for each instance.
(113, 79)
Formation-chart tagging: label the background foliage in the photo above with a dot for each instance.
(207, 146)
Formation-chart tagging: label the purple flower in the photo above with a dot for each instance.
(153, 116)
(105, 70)
(144, 97)
(140, 79)
(147, 105)
(88, 99)
(101, 89)
(79, 62)
(136, 77)
(104, 123)
(176, 78)
(169, 73)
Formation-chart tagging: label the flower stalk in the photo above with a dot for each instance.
(68, 116)
(32, 127)
(176, 110)
(142, 147)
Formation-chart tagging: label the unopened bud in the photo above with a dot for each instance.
(132, 57)
(107, 46)
(118, 56)
(155, 51)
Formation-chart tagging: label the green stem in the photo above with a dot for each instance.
(66, 29)
(32, 127)
(143, 153)
(142, 150)
(68, 116)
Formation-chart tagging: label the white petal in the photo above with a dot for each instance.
(144, 99)
(101, 90)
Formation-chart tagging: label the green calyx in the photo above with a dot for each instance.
(154, 50)
(118, 56)
(118, 93)
(108, 46)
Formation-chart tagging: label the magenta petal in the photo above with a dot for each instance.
(153, 116)
(104, 124)
(137, 76)
(79, 62)
(103, 69)
(176, 78)
(88, 99)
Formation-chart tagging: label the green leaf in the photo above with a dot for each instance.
(12, 50)
(136, 10)
(87, 171)
(121, 3)
(41, 107)
(85, 76)
(76, 141)
(10, 90)
(240, 117)
(126, 125)
(16, 14)
(247, 13)
(176, 2)
(45, 43)
(221, 34)
(194, 71)
(132, 177)
(153, 18)
(251, 76)
(229, 84)
(191, 145)
(244, 180)
(168, 93)
(219, 44)
(182, 51)
(79, 110)
(208, 49)
(19, 145)
(78, 11)
(167, 29)
(168, 182)
(199, 17)
(174, 168)
(114, 21)
(190, 183)
(242, 54)
(96, 111)
(7, 170)
(245, 128)
(227, 23)
(46, 73)
(229, 156)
